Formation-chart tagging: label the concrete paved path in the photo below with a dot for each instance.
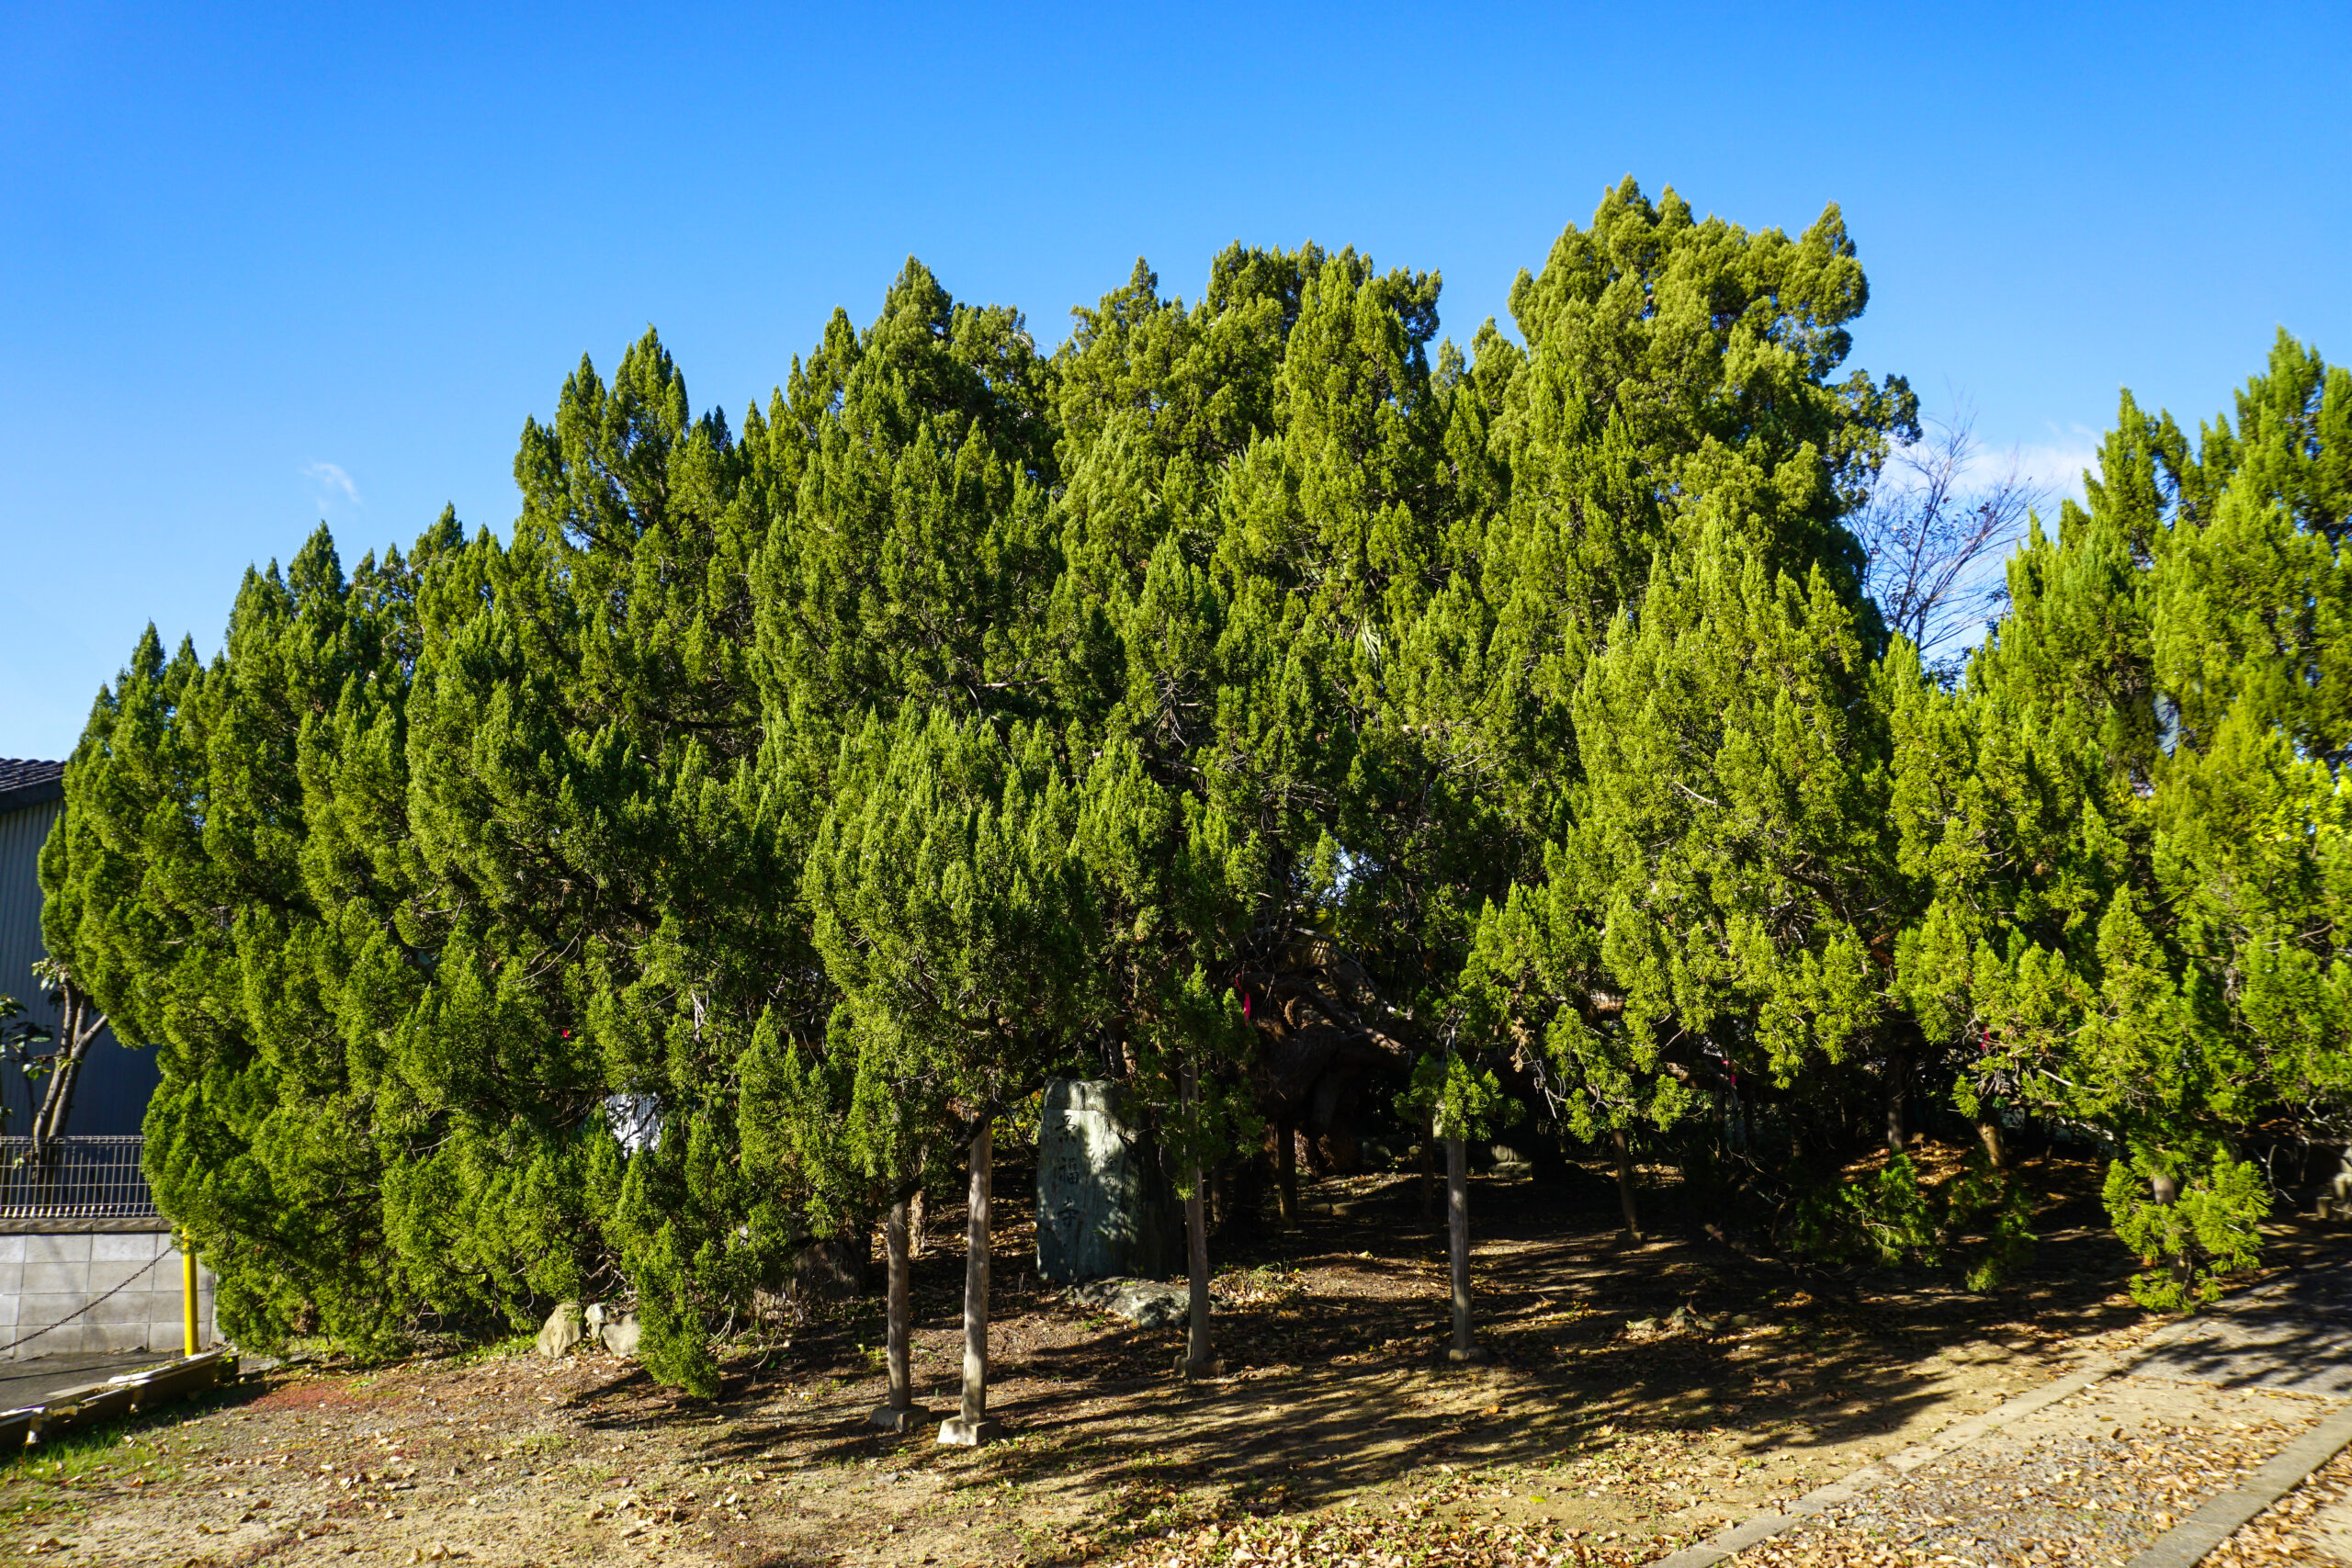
(29, 1381)
(2148, 1460)
(2293, 1334)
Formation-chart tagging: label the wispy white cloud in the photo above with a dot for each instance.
(328, 478)
(2056, 465)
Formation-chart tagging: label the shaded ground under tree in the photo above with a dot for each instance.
(1598, 1416)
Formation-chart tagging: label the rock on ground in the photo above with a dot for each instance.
(561, 1331)
(620, 1333)
(1147, 1304)
(1101, 1205)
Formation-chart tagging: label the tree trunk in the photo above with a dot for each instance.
(917, 1223)
(2184, 1268)
(1199, 1362)
(1988, 1133)
(1286, 1173)
(1897, 1078)
(976, 1279)
(894, 1231)
(78, 1025)
(1428, 1170)
(1457, 1225)
(1625, 1184)
(2336, 1202)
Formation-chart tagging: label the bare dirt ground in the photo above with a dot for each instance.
(1338, 1432)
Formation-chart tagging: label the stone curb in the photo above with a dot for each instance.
(2187, 1542)
(1738, 1538)
(132, 1392)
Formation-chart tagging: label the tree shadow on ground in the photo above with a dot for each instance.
(1341, 1385)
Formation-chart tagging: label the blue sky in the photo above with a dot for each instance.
(264, 267)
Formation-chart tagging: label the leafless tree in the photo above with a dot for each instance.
(1934, 540)
(78, 1023)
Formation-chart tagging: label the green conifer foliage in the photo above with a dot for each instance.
(2130, 818)
(1677, 715)
(592, 832)
(953, 910)
(909, 560)
(1668, 360)
(1708, 919)
(492, 855)
(1254, 684)
(206, 881)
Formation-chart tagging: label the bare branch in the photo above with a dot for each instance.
(1927, 534)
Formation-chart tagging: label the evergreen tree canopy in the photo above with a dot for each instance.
(1260, 700)
(2130, 817)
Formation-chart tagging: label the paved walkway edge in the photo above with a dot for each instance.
(2187, 1543)
(131, 1392)
(1738, 1538)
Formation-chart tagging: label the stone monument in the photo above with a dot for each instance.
(1102, 1201)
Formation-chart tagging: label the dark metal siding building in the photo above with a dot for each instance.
(111, 1099)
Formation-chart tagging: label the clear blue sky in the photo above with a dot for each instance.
(260, 268)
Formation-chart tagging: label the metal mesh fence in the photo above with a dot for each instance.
(79, 1179)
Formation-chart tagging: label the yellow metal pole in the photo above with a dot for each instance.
(187, 1294)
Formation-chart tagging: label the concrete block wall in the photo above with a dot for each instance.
(58, 1278)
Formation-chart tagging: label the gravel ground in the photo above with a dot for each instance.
(2311, 1524)
(2091, 1480)
(2095, 1477)
(1455, 1521)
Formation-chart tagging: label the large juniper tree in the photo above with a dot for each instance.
(1258, 699)
(2130, 818)
(1676, 711)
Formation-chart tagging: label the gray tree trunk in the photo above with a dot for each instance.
(1996, 1149)
(1625, 1184)
(2184, 1267)
(1897, 1083)
(1199, 1360)
(1428, 1170)
(1286, 1172)
(976, 1279)
(78, 1025)
(1457, 1222)
(902, 1386)
(2336, 1202)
